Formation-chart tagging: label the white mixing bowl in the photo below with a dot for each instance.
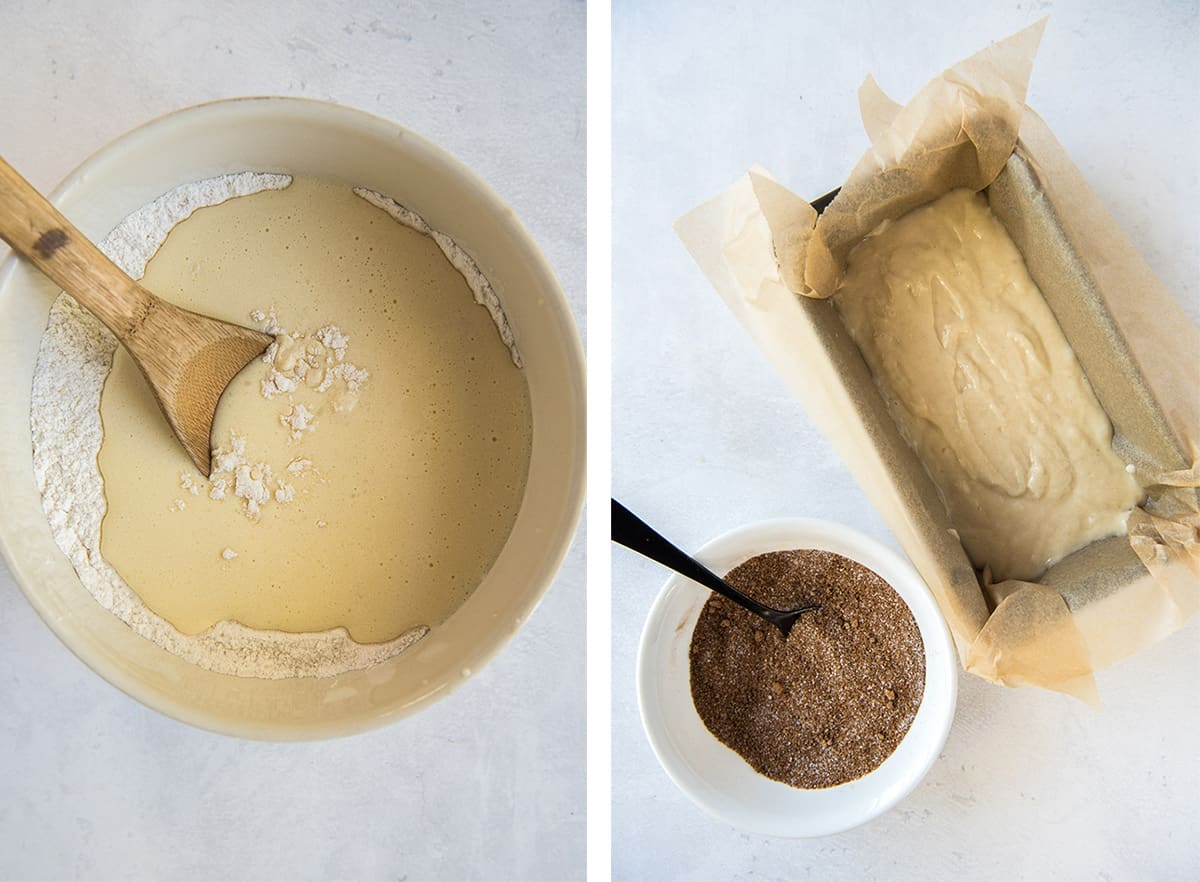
(719, 780)
(302, 137)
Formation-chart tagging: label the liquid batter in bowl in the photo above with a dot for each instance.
(359, 501)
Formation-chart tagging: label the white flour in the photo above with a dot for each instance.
(74, 358)
(317, 361)
(485, 295)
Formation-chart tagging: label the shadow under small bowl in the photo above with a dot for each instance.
(304, 137)
(715, 777)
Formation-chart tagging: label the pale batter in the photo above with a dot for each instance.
(372, 493)
(984, 386)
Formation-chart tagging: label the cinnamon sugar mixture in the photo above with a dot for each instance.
(831, 702)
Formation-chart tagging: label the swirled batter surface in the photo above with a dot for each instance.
(985, 387)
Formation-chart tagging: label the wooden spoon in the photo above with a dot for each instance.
(188, 359)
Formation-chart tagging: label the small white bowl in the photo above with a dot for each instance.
(719, 780)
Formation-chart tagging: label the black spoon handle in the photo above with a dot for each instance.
(634, 533)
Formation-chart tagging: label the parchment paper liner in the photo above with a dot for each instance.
(761, 246)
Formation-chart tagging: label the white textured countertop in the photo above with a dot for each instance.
(1032, 785)
(488, 784)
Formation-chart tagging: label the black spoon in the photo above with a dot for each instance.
(634, 533)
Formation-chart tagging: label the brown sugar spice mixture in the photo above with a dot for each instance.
(831, 702)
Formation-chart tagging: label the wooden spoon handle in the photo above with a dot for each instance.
(37, 231)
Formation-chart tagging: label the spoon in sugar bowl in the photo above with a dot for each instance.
(187, 358)
(634, 533)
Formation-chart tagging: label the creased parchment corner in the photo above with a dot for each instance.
(1031, 639)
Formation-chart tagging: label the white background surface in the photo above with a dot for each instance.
(488, 784)
(1032, 785)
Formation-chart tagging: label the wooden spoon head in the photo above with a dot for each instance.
(189, 359)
